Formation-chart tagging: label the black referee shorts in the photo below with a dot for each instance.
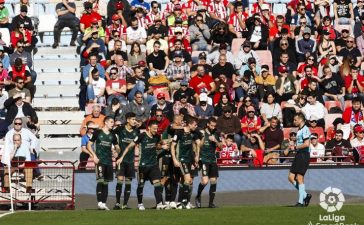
(209, 169)
(300, 163)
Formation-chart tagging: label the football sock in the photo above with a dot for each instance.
(180, 192)
(105, 190)
(295, 184)
(158, 190)
(302, 193)
(212, 192)
(185, 192)
(190, 189)
(200, 189)
(118, 190)
(99, 192)
(140, 193)
(168, 190)
(127, 191)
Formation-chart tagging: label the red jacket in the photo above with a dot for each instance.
(162, 125)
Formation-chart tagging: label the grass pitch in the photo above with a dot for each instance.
(252, 215)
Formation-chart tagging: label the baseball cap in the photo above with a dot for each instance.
(263, 70)
(292, 133)
(284, 31)
(203, 97)
(264, 7)
(23, 8)
(177, 7)
(282, 69)
(251, 60)
(87, 5)
(202, 55)
(307, 30)
(223, 46)
(161, 95)
(119, 6)
(227, 108)
(314, 118)
(178, 54)
(115, 17)
(178, 20)
(183, 95)
(247, 44)
(358, 129)
(184, 82)
(141, 63)
(313, 136)
(345, 30)
(178, 30)
(325, 32)
(94, 20)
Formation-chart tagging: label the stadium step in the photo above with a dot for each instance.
(58, 51)
(54, 63)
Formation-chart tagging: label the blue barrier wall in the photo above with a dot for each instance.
(349, 180)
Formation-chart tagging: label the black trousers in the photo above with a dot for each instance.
(61, 24)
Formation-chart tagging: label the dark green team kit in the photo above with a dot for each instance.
(207, 154)
(102, 145)
(184, 150)
(125, 138)
(148, 149)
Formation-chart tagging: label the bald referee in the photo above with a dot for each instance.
(301, 161)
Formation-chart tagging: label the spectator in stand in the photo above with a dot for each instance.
(115, 41)
(177, 15)
(201, 61)
(218, 11)
(156, 37)
(117, 49)
(154, 15)
(20, 53)
(165, 106)
(284, 56)
(284, 35)
(258, 33)
(272, 136)
(118, 25)
(223, 68)
(305, 46)
(21, 34)
(158, 28)
(286, 85)
(314, 128)
(4, 15)
(96, 87)
(19, 88)
(333, 86)
(191, 95)
(139, 82)
(237, 21)
(243, 106)
(92, 64)
(135, 33)
(313, 87)
(354, 114)
(96, 117)
(200, 35)
(244, 54)
(276, 31)
(317, 150)
(251, 66)
(177, 71)
(250, 122)
(66, 12)
(340, 42)
(186, 55)
(229, 124)
(307, 76)
(140, 108)
(310, 61)
(220, 34)
(354, 84)
(123, 71)
(360, 39)
(253, 146)
(121, 7)
(229, 151)
(116, 87)
(202, 81)
(4, 58)
(213, 57)
(338, 145)
(358, 141)
(351, 51)
(21, 70)
(344, 13)
(245, 86)
(4, 95)
(270, 109)
(316, 109)
(84, 155)
(179, 33)
(183, 104)
(157, 60)
(286, 147)
(302, 13)
(135, 4)
(163, 122)
(4, 75)
(223, 101)
(116, 111)
(265, 83)
(135, 55)
(203, 110)
(326, 47)
(17, 108)
(87, 17)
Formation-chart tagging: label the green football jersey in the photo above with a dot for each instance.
(208, 148)
(147, 149)
(184, 149)
(103, 143)
(125, 137)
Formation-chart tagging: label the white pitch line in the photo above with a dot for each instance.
(5, 214)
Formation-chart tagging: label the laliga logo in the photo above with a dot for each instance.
(332, 199)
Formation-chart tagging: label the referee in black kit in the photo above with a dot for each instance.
(301, 161)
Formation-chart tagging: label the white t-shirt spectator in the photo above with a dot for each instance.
(98, 86)
(317, 110)
(317, 151)
(136, 34)
(356, 143)
(271, 111)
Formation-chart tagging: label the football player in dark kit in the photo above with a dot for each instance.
(125, 170)
(102, 155)
(183, 156)
(208, 164)
(149, 142)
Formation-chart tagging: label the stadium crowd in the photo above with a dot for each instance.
(240, 63)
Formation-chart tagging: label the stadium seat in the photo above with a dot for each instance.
(55, 102)
(46, 22)
(348, 103)
(57, 91)
(329, 119)
(330, 130)
(70, 144)
(265, 58)
(320, 132)
(331, 104)
(194, 56)
(236, 45)
(66, 130)
(279, 9)
(68, 117)
(5, 35)
(286, 132)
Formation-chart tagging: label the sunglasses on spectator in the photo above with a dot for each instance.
(227, 112)
(155, 7)
(158, 115)
(313, 121)
(310, 59)
(251, 112)
(20, 82)
(21, 26)
(222, 87)
(349, 41)
(177, 33)
(360, 132)
(1, 66)
(199, 20)
(18, 124)
(248, 100)
(302, 23)
(112, 73)
(284, 44)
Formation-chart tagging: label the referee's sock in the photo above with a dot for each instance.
(99, 191)
(302, 193)
(118, 190)
(200, 189)
(295, 184)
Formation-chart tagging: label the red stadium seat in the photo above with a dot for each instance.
(331, 104)
(339, 28)
(265, 58)
(286, 132)
(348, 103)
(320, 132)
(330, 131)
(236, 44)
(329, 119)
